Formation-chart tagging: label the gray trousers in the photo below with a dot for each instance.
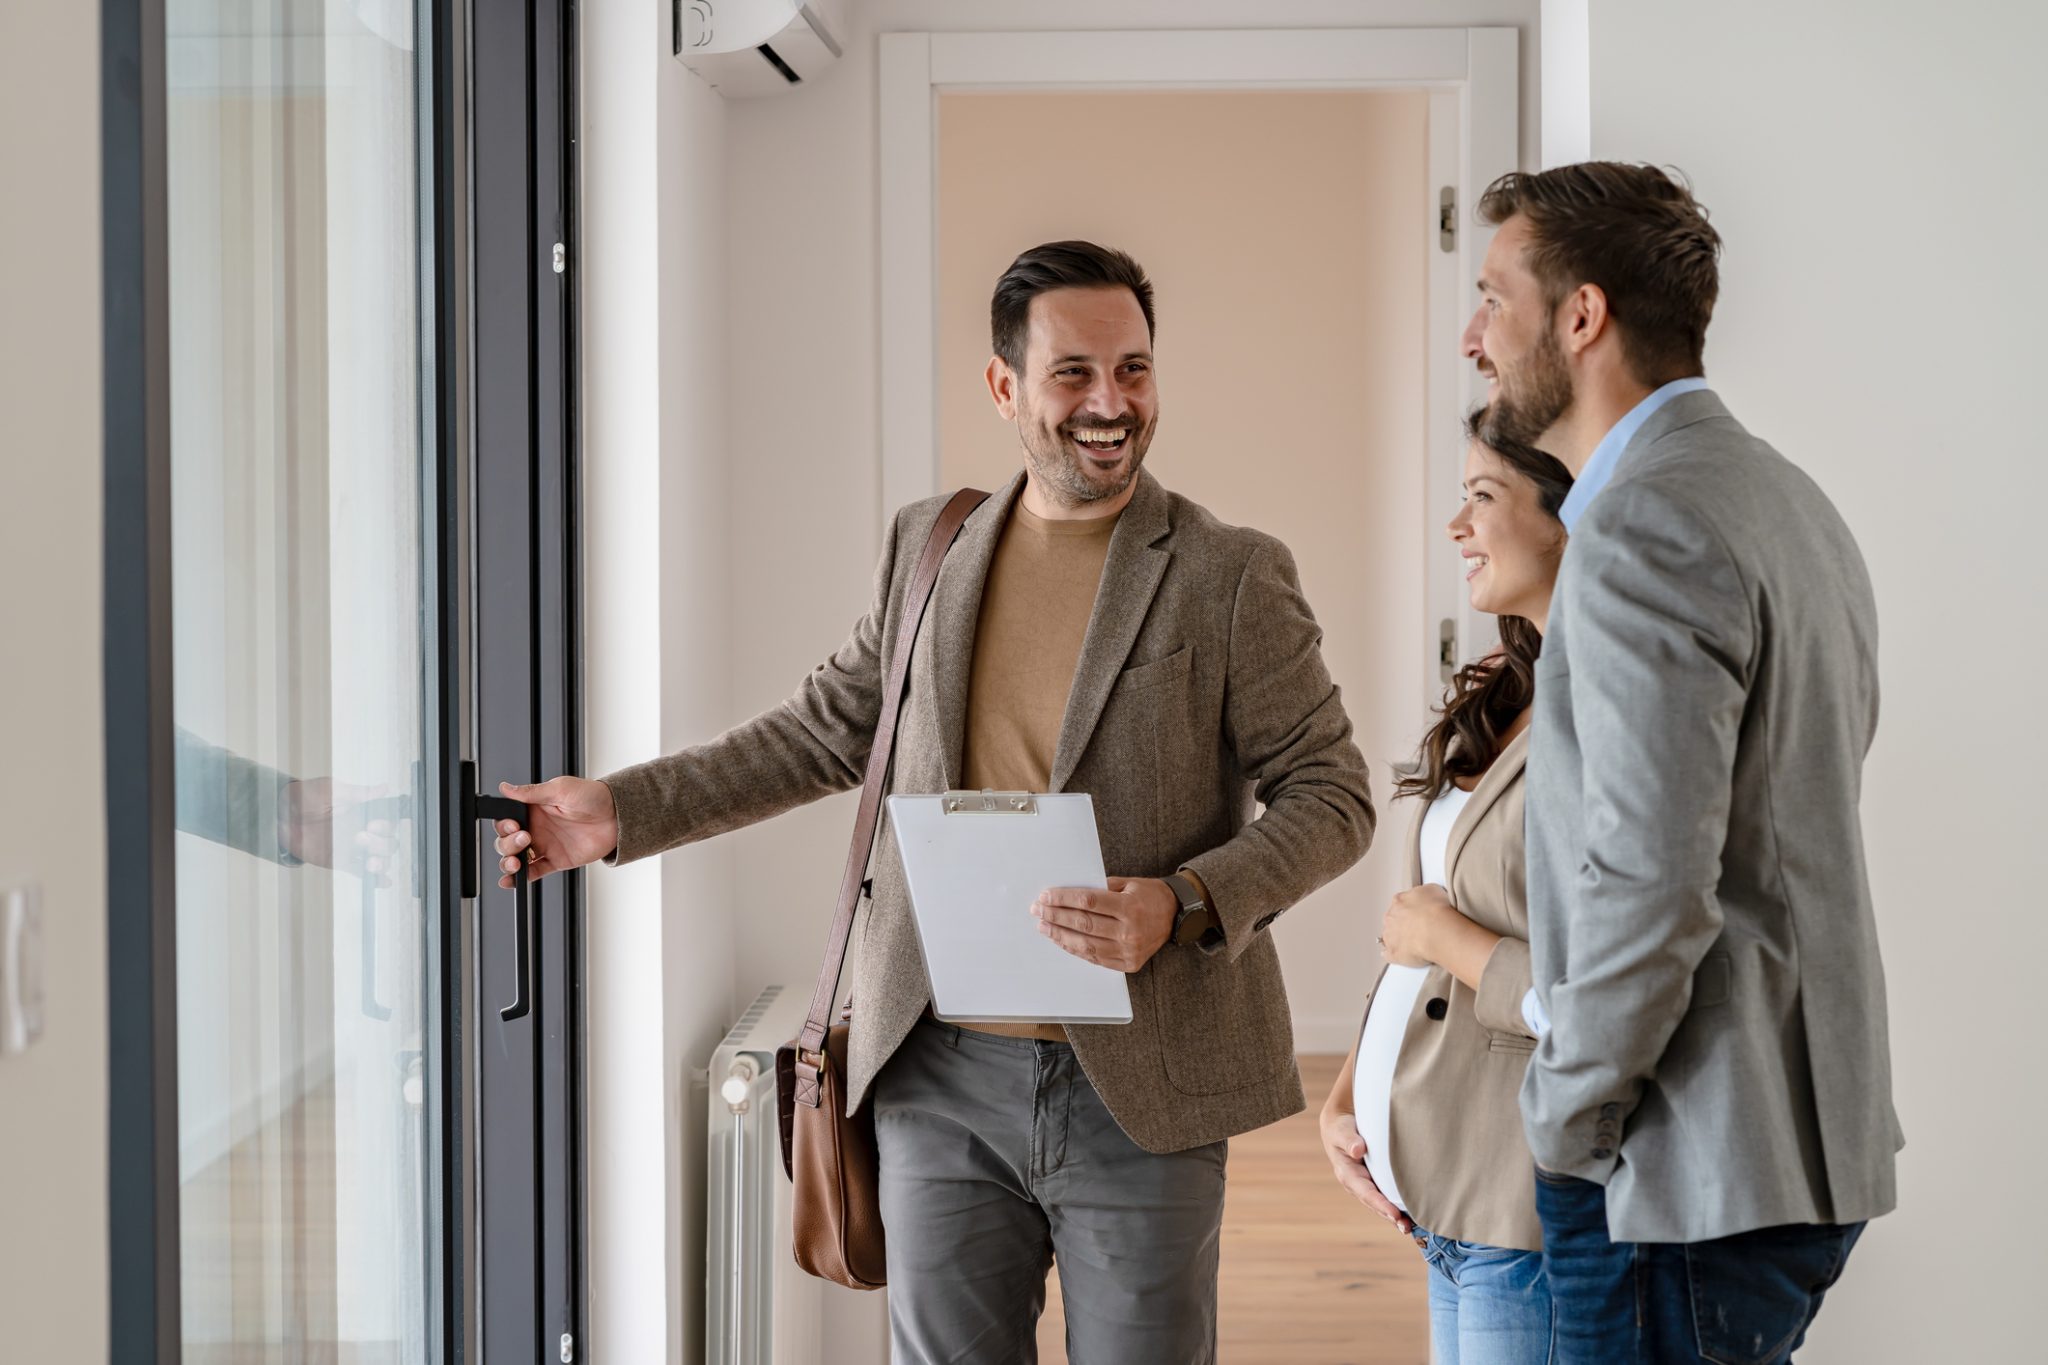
(998, 1158)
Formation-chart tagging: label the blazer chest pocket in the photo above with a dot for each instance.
(1156, 673)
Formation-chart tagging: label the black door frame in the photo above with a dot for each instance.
(526, 615)
(142, 961)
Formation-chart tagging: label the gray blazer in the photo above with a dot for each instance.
(1701, 931)
(1200, 693)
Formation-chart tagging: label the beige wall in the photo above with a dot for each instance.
(53, 1102)
(1874, 169)
(1287, 238)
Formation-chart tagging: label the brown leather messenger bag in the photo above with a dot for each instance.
(829, 1156)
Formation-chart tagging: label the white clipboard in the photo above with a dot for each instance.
(974, 862)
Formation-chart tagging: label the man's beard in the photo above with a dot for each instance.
(1057, 465)
(1530, 402)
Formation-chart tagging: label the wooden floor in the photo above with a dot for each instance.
(1309, 1277)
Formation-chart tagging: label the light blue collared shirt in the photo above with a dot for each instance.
(1599, 471)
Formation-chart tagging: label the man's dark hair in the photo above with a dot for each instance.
(1638, 234)
(1058, 265)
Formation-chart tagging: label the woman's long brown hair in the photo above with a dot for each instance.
(1487, 694)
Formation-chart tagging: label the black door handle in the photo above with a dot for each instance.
(495, 808)
(477, 806)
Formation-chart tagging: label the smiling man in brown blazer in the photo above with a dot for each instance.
(1089, 631)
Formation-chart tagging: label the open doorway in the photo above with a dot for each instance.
(1291, 210)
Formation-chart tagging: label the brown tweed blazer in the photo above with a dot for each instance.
(1200, 691)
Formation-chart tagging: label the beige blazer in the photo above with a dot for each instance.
(1456, 1141)
(1200, 693)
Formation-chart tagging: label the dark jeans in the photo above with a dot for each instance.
(1741, 1300)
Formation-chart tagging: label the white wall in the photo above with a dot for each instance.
(659, 987)
(1872, 169)
(805, 434)
(53, 1165)
(1875, 169)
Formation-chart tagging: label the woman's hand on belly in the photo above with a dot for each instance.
(1408, 937)
(1346, 1150)
(1424, 928)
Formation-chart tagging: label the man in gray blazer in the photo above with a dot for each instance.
(1710, 1104)
(1089, 632)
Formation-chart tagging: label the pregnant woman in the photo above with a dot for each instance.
(1422, 1125)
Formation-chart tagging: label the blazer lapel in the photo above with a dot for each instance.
(1413, 862)
(1498, 779)
(1130, 578)
(945, 662)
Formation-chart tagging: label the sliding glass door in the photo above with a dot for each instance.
(303, 682)
(337, 610)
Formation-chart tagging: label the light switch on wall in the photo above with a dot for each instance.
(21, 967)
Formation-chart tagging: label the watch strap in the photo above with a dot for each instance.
(1196, 916)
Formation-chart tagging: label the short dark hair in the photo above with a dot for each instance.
(1637, 233)
(1059, 265)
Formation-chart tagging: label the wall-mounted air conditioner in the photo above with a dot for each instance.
(758, 47)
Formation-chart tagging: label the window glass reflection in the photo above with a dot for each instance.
(296, 466)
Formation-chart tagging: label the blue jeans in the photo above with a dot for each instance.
(1487, 1305)
(1741, 1300)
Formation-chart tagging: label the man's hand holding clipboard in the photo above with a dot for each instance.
(1120, 928)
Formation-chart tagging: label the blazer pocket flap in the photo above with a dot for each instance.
(1157, 671)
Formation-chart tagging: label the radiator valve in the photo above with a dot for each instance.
(738, 1090)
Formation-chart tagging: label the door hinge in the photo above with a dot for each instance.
(1447, 650)
(1446, 219)
(568, 1349)
(561, 258)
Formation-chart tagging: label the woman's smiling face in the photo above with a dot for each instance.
(1511, 546)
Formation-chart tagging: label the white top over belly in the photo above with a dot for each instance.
(1372, 1081)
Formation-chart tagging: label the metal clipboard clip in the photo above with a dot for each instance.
(989, 803)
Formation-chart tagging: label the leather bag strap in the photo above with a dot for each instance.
(916, 597)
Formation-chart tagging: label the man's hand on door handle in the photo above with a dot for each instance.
(572, 821)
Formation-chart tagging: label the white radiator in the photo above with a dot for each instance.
(759, 1308)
